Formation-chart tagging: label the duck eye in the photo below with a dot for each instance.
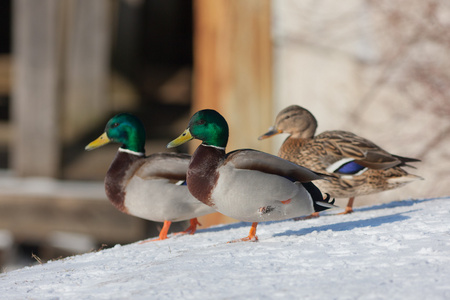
(201, 122)
(285, 118)
(115, 125)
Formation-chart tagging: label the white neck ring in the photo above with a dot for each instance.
(131, 152)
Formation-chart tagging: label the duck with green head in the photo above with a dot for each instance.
(147, 186)
(355, 166)
(246, 184)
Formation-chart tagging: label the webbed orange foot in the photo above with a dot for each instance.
(251, 236)
(348, 210)
(311, 216)
(192, 228)
(162, 233)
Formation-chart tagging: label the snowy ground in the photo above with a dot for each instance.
(399, 250)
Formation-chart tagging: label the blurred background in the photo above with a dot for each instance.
(380, 69)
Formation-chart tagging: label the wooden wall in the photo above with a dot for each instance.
(61, 71)
(233, 65)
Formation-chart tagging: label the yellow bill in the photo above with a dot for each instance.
(100, 141)
(183, 138)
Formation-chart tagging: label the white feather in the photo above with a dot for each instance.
(242, 193)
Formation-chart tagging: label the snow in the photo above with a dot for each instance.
(399, 250)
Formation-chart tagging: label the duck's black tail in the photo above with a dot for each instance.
(405, 160)
(316, 195)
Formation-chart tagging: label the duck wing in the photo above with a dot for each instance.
(260, 161)
(171, 166)
(346, 145)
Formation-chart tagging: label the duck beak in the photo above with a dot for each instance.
(183, 138)
(100, 141)
(272, 131)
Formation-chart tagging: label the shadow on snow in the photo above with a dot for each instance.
(343, 226)
(347, 226)
(393, 204)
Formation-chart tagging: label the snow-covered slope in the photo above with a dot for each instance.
(399, 250)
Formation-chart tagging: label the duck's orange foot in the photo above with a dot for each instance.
(348, 210)
(192, 228)
(162, 233)
(349, 207)
(311, 216)
(153, 240)
(251, 235)
(246, 239)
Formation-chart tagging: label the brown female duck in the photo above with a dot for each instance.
(355, 165)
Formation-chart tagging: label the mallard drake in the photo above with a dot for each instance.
(149, 187)
(355, 165)
(247, 185)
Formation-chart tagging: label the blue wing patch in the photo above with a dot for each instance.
(350, 168)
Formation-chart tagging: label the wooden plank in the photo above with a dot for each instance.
(61, 75)
(233, 66)
(36, 47)
(86, 66)
(233, 70)
(33, 218)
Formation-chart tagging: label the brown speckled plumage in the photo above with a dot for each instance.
(380, 170)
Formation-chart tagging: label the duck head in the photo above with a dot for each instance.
(125, 129)
(294, 120)
(206, 125)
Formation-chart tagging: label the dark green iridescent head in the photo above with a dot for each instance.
(210, 127)
(128, 130)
